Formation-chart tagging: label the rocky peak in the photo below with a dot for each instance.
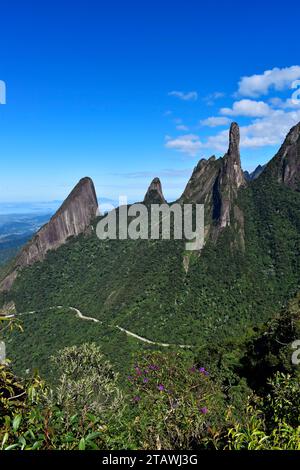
(215, 183)
(254, 174)
(154, 194)
(72, 218)
(285, 166)
(199, 186)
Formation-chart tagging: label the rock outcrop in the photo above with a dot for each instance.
(215, 183)
(154, 195)
(254, 174)
(285, 166)
(72, 218)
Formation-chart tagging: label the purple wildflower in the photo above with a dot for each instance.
(161, 387)
(146, 380)
(202, 370)
(204, 410)
(193, 369)
(136, 398)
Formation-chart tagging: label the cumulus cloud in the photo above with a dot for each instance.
(278, 79)
(185, 96)
(248, 108)
(267, 122)
(267, 131)
(270, 130)
(189, 144)
(290, 103)
(215, 121)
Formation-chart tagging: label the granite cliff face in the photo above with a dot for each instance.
(285, 166)
(72, 218)
(215, 183)
(154, 195)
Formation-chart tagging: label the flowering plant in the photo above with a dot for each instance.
(174, 402)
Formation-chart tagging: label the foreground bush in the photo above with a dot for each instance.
(87, 382)
(34, 417)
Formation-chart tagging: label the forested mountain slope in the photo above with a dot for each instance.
(158, 290)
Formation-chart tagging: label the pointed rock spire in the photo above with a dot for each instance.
(154, 194)
(232, 160)
(73, 217)
(231, 176)
(234, 140)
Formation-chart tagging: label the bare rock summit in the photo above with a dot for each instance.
(73, 217)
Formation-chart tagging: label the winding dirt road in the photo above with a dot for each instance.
(80, 315)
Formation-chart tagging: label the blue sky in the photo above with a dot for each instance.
(123, 91)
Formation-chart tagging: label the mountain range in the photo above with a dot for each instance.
(245, 274)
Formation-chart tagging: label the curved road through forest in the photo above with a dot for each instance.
(95, 320)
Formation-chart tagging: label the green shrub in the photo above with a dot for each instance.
(87, 382)
(274, 422)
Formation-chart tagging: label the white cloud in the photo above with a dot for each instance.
(268, 131)
(268, 122)
(185, 96)
(285, 104)
(182, 127)
(271, 130)
(278, 79)
(188, 143)
(210, 99)
(248, 108)
(215, 121)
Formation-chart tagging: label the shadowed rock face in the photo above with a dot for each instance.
(200, 186)
(215, 183)
(285, 166)
(154, 195)
(72, 218)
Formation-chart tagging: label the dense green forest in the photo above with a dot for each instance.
(143, 286)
